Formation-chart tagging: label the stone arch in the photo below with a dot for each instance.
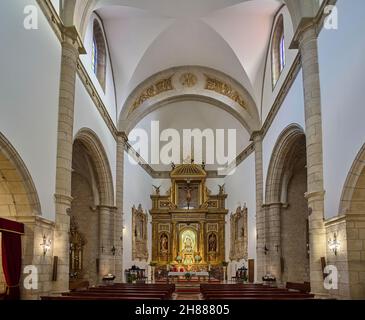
(354, 185)
(189, 83)
(350, 230)
(287, 209)
(18, 181)
(274, 191)
(94, 147)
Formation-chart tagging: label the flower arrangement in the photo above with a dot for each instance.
(187, 275)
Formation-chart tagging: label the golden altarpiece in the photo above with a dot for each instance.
(188, 223)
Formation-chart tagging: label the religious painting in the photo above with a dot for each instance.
(239, 236)
(139, 237)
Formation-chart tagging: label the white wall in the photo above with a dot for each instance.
(137, 190)
(291, 111)
(87, 116)
(342, 65)
(270, 93)
(29, 87)
(108, 96)
(241, 189)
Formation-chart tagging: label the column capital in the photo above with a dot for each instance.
(122, 137)
(106, 207)
(317, 195)
(307, 24)
(63, 199)
(273, 205)
(72, 37)
(256, 136)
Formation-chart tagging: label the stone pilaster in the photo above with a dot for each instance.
(71, 48)
(121, 140)
(274, 237)
(260, 212)
(308, 47)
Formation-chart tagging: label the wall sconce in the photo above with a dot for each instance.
(46, 245)
(113, 250)
(334, 244)
(266, 249)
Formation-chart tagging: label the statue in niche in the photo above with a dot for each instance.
(188, 195)
(164, 244)
(212, 243)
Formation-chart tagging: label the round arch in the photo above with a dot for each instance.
(194, 83)
(14, 170)
(94, 147)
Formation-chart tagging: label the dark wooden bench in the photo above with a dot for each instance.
(98, 298)
(301, 287)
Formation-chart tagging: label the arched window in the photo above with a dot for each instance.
(98, 54)
(278, 50)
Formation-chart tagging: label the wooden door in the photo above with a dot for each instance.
(251, 270)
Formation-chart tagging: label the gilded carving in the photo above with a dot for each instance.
(139, 237)
(224, 89)
(239, 236)
(188, 80)
(152, 91)
(188, 223)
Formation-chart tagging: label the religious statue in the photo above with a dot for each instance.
(221, 189)
(188, 195)
(164, 245)
(212, 243)
(157, 190)
(188, 245)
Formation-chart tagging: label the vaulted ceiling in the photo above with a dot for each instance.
(146, 37)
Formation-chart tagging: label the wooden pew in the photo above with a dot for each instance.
(301, 287)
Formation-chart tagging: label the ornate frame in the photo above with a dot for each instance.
(139, 234)
(239, 238)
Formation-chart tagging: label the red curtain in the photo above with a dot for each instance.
(11, 249)
(12, 262)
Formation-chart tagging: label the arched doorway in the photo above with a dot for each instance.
(19, 202)
(287, 208)
(92, 214)
(353, 207)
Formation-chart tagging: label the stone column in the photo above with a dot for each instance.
(260, 212)
(274, 237)
(173, 242)
(71, 48)
(106, 237)
(308, 47)
(121, 139)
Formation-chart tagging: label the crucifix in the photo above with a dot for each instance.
(188, 194)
